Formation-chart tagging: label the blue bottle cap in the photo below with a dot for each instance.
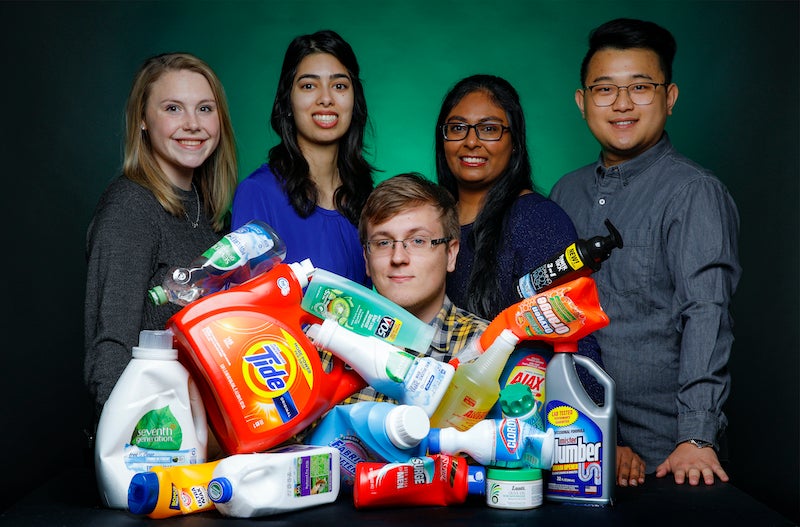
(220, 490)
(433, 441)
(143, 493)
(476, 480)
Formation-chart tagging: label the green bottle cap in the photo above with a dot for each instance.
(516, 400)
(157, 295)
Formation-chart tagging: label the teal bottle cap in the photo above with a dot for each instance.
(516, 400)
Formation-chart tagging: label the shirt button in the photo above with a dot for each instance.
(602, 201)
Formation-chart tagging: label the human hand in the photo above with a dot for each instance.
(688, 460)
(630, 467)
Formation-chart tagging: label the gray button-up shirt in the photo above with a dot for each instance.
(667, 292)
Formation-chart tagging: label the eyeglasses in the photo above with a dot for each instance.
(640, 93)
(484, 131)
(413, 245)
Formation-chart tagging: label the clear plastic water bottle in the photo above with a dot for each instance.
(250, 250)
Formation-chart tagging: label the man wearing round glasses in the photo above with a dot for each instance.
(668, 291)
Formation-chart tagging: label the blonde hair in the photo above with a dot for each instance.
(216, 178)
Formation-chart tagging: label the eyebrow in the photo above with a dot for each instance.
(481, 120)
(411, 232)
(319, 77)
(608, 78)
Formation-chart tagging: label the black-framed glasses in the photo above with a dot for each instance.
(414, 244)
(640, 93)
(456, 131)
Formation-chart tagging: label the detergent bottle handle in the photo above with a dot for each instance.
(602, 377)
(349, 382)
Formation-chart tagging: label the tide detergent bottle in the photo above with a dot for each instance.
(260, 377)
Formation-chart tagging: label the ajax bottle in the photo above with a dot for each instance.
(509, 443)
(154, 416)
(162, 492)
(372, 431)
(475, 386)
(281, 480)
(260, 377)
(579, 259)
(418, 381)
(250, 250)
(363, 311)
(428, 480)
(584, 463)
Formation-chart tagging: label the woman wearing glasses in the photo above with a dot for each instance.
(506, 227)
(317, 180)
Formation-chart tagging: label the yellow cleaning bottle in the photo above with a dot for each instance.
(475, 386)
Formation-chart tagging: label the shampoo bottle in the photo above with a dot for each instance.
(281, 480)
(475, 386)
(584, 463)
(429, 480)
(154, 416)
(418, 381)
(365, 312)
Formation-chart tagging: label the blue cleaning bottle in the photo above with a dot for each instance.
(372, 431)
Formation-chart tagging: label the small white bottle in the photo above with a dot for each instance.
(154, 416)
(280, 480)
(417, 381)
(509, 443)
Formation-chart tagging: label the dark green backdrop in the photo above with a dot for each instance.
(67, 67)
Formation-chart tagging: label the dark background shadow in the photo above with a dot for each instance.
(67, 68)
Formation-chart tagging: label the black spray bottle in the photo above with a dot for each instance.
(580, 258)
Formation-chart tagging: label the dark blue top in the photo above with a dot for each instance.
(326, 237)
(536, 229)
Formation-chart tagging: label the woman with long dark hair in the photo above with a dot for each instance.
(317, 179)
(507, 228)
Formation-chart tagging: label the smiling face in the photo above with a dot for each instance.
(477, 164)
(322, 100)
(415, 281)
(182, 123)
(624, 129)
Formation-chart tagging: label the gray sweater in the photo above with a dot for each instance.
(130, 244)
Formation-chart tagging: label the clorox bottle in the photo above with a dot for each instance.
(260, 376)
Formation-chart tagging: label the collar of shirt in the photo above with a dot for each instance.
(625, 172)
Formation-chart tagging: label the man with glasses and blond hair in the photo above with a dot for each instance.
(410, 233)
(668, 291)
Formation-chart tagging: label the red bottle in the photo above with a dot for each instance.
(260, 377)
(437, 479)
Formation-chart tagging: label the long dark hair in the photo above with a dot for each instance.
(286, 159)
(484, 297)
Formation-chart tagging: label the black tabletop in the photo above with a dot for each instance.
(70, 500)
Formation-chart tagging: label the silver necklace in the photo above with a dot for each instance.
(196, 222)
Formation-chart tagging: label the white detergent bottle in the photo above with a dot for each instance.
(154, 416)
(584, 462)
(417, 381)
(276, 481)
